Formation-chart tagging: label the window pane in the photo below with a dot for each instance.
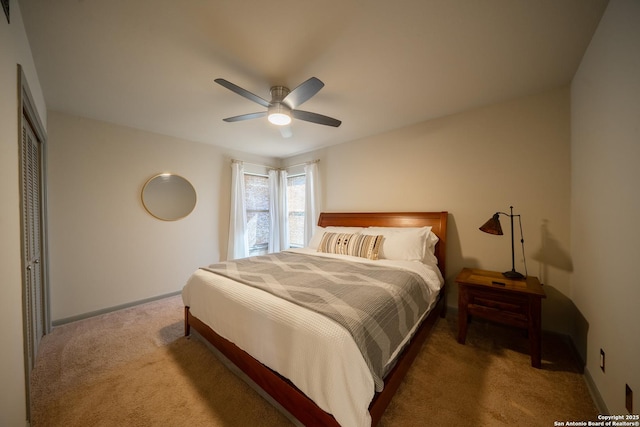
(258, 232)
(256, 189)
(295, 208)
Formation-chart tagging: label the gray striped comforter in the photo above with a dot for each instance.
(378, 305)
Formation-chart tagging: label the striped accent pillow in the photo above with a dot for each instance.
(359, 245)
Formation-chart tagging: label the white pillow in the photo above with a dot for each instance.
(319, 231)
(402, 243)
(430, 250)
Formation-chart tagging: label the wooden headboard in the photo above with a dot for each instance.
(436, 220)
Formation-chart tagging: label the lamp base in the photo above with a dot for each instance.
(513, 275)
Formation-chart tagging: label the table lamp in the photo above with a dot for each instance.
(492, 226)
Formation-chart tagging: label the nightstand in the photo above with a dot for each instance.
(490, 295)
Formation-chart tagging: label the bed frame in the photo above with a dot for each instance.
(287, 394)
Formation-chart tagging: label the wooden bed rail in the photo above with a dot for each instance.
(278, 387)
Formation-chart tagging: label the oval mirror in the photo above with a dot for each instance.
(168, 197)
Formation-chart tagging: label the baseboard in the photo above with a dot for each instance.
(83, 316)
(595, 393)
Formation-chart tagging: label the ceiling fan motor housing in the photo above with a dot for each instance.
(279, 113)
(278, 93)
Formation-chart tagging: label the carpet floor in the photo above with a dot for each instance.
(133, 367)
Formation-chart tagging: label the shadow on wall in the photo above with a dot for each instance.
(551, 254)
(455, 262)
(558, 305)
(558, 310)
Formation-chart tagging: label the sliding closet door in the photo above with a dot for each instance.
(32, 184)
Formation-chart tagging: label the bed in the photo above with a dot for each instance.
(305, 361)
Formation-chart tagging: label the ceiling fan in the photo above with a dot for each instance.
(283, 105)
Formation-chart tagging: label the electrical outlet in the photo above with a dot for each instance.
(628, 393)
(602, 359)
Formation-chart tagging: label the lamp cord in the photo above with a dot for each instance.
(524, 259)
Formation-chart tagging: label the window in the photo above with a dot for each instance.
(295, 209)
(256, 189)
(257, 209)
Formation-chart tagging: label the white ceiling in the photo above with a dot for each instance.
(150, 64)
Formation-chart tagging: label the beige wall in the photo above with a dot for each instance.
(14, 49)
(106, 250)
(606, 203)
(473, 164)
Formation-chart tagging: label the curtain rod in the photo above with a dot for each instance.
(249, 163)
(305, 163)
(270, 167)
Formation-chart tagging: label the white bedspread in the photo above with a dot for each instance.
(316, 354)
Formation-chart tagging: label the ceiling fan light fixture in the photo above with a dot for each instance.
(279, 115)
(279, 119)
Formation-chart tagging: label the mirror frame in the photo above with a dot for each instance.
(166, 194)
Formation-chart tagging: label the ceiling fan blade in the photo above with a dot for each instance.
(303, 92)
(315, 118)
(245, 117)
(242, 92)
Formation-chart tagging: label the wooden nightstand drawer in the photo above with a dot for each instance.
(507, 317)
(498, 301)
(496, 306)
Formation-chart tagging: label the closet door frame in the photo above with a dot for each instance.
(28, 117)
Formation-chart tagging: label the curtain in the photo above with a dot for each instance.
(279, 230)
(238, 246)
(312, 200)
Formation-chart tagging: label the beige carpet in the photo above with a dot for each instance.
(134, 368)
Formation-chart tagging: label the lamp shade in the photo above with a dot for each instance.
(492, 226)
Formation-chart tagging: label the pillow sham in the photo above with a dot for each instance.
(404, 243)
(360, 245)
(319, 231)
